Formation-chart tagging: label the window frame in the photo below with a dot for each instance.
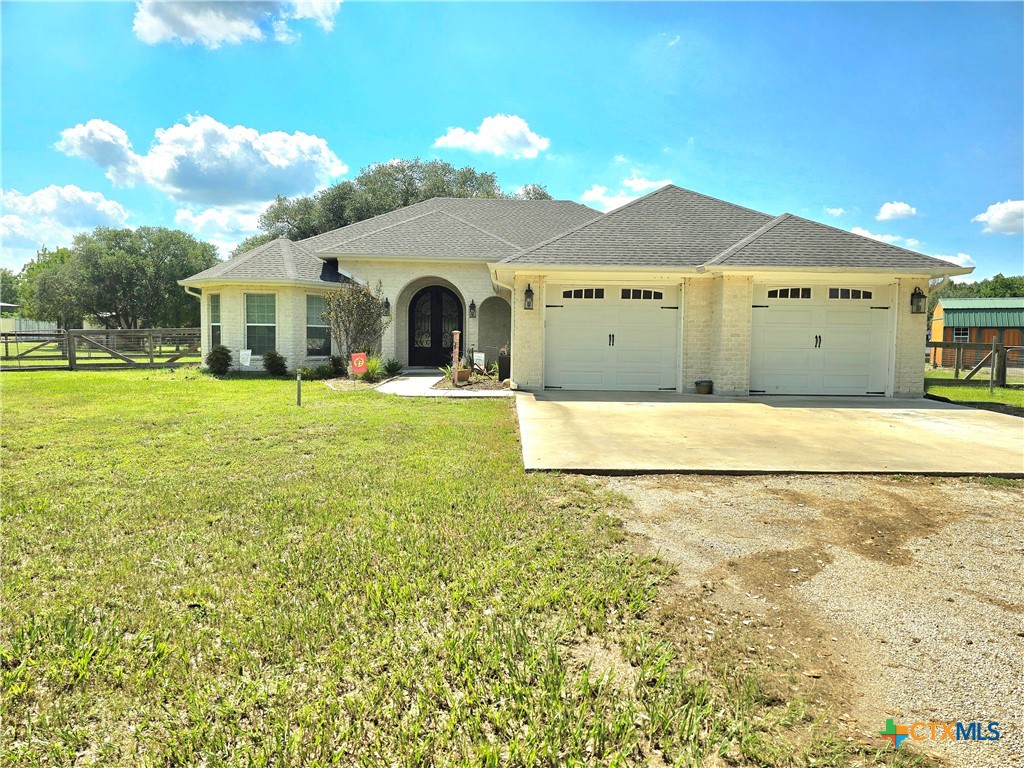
(248, 325)
(864, 294)
(215, 324)
(641, 294)
(596, 292)
(321, 325)
(966, 331)
(799, 293)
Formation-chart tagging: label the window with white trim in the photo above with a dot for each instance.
(214, 319)
(789, 293)
(583, 293)
(318, 332)
(642, 294)
(848, 293)
(260, 322)
(961, 335)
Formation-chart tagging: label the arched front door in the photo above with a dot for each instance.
(434, 313)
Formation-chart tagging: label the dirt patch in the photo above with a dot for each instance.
(872, 597)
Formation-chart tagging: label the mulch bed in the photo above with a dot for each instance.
(476, 383)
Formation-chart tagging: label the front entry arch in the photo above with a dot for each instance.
(434, 313)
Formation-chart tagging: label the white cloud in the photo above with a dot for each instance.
(224, 226)
(906, 242)
(599, 197)
(1006, 218)
(961, 259)
(630, 189)
(213, 23)
(673, 41)
(51, 217)
(890, 211)
(205, 161)
(835, 211)
(638, 183)
(499, 135)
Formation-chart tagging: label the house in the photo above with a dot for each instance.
(672, 288)
(976, 321)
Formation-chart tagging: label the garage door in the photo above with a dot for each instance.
(611, 337)
(820, 340)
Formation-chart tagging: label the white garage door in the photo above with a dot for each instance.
(820, 340)
(611, 337)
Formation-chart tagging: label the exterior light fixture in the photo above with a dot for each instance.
(918, 302)
(528, 297)
(472, 308)
(385, 308)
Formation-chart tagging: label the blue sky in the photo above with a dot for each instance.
(900, 121)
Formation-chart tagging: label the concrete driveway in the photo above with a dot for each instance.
(618, 432)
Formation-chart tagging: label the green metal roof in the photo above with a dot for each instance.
(983, 313)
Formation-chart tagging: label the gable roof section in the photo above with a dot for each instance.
(670, 227)
(434, 234)
(511, 225)
(793, 241)
(279, 259)
(983, 313)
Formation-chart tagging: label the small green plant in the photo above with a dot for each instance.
(317, 373)
(274, 363)
(374, 369)
(393, 367)
(447, 370)
(338, 366)
(218, 362)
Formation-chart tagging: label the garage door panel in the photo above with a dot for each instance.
(851, 358)
(645, 351)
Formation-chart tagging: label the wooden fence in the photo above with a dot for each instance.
(98, 348)
(970, 362)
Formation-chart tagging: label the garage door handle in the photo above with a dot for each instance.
(817, 342)
(611, 339)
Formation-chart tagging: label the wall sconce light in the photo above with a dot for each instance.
(528, 297)
(385, 308)
(472, 308)
(918, 302)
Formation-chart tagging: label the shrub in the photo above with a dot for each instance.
(274, 363)
(374, 369)
(318, 373)
(393, 367)
(218, 362)
(338, 367)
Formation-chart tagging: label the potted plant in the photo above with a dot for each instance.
(704, 386)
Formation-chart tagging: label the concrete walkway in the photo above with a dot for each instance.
(631, 433)
(419, 383)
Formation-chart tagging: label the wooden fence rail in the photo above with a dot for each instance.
(973, 357)
(99, 348)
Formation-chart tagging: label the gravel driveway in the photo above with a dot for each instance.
(903, 597)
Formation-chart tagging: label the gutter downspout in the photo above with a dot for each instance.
(192, 292)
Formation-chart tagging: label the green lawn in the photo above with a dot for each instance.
(196, 572)
(959, 394)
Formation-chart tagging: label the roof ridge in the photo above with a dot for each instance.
(451, 215)
(706, 197)
(289, 259)
(871, 239)
(353, 223)
(383, 229)
(747, 240)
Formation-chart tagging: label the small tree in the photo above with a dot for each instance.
(356, 316)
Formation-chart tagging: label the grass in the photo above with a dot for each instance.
(1004, 395)
(195, 571)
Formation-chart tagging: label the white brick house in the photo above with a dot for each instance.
(668, 290)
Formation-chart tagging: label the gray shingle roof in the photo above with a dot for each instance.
(435, 234)
(792, 241)
(521, 223)
(279, 259)
(671, 227)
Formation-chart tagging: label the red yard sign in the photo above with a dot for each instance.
(358, 362)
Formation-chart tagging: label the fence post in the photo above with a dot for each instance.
(149, 338)
(956, 361)
(1001, 368)
(69, 340)
(992, 368)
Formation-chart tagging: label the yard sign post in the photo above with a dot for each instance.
(298, 388)
(358, 365)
